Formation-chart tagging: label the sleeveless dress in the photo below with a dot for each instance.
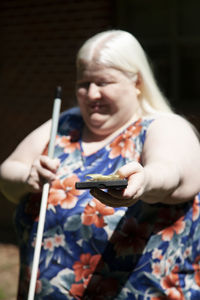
(96, 252)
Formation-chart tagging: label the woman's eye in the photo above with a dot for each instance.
(84, 85)
(102, 83)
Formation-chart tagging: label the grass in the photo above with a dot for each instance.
(9, 269)
(2, 294)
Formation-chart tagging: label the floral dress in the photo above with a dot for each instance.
(96, 252)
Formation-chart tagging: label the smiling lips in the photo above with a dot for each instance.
(96, 106)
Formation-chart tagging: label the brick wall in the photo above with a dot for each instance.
(39, 40)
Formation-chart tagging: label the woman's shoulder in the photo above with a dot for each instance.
(171, 124)
(167, 118)
(171, 118)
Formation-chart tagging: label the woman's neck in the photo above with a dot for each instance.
(92, 142)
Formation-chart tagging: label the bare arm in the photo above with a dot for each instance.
(170, 166)
(23, 170)
(171, 159)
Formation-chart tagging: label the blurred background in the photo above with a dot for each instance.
(39, 41)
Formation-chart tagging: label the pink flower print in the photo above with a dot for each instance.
(77, 290)
(59, 240)
(168, 264)
(94, 213)
(187, 252)
(68, 145)
(85, 266)
(124, 145)
(63, 193)
(172, 286)
(157, 254)
(157, 269)
(48, 244)
(178, 227)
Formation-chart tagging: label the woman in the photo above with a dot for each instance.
(139, 243)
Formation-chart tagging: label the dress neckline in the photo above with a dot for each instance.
(109, 140)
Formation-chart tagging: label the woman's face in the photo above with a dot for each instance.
(107, 98)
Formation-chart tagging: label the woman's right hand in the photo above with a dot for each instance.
(42, 170)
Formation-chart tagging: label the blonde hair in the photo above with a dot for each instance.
(120, 50)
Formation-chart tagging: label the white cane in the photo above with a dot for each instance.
(45, 192)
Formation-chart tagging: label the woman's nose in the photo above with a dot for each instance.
(93, 91)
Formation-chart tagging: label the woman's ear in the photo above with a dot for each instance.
(137, 83)
(137, 79)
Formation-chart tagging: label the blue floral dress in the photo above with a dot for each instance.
(96, 252)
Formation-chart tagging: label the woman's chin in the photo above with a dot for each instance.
(98, 125)
(98, 120)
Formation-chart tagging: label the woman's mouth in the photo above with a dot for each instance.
(96, 106)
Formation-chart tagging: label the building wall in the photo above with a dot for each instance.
(169, 31)
(39, 41)
(38, 44)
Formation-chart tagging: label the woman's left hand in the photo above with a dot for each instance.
(135, 174)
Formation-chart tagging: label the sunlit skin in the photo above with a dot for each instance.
(107, 99)
(109, 102)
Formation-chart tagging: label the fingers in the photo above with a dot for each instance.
(129, 169)
(110, 200)
(136, 185)
(48, 163)
(33, 182)
(46, 167)
(135, 174)
(42, 170)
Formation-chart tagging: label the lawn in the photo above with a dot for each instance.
(9, 270)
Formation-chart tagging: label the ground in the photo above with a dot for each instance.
(9, 270)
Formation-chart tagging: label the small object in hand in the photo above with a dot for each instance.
(112, 181)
